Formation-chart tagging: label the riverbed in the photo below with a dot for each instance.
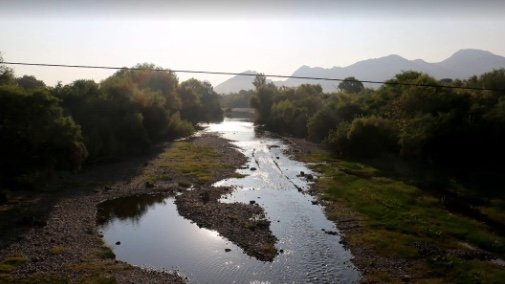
(148, 231)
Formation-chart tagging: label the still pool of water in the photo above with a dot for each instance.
(152, 234)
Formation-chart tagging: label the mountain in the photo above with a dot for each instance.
(466, 63)
(236, 83)
(461, 65)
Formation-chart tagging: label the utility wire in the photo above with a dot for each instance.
(252, 75)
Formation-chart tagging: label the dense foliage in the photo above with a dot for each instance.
(36, 136)
(44, 128)
(237, 100)
(443, 126)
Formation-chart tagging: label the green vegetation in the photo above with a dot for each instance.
(420, 167)
(461, 132)
(105, 252)
(440, 126)
(57, 250)
(236, 100)
(37, 136)
(9, 263)
(401, 221)
(351, 85)
(134, 109)
(197, 163)
(90, 270)
(44, 129)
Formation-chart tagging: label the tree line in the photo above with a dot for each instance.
(458, 128)
(43, 128)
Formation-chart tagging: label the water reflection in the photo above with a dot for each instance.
(161, 238)
(130, 208)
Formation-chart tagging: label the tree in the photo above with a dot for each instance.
(6, 74)
(199, 101)
(371, 136)
(237, 100)
(263, 98)
(260, 81)
(351, 85)
(37, 136)
(30, 82)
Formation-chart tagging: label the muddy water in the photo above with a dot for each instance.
(152, 234)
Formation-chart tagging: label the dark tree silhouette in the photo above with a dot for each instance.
(351, 85)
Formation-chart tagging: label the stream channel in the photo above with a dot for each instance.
(153, 235)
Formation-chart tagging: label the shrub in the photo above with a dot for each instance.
(371, 136)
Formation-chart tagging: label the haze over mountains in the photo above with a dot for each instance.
(461, 65)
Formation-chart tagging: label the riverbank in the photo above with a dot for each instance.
(398, 232)
(199, 164)
(395, 231)
(66, 246)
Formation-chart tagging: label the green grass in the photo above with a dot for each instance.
(495, 210)
(93, 271)
(57, 250)
(396, 214)
(199, 164)
(10, 263)
(105, 252)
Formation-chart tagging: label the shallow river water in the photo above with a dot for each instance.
(152, 234)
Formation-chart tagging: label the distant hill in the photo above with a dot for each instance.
(461, 65)
(236, 83)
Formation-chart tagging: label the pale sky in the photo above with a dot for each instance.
(273, 37)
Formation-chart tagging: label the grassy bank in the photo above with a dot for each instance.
(414, 237)
(200, 162)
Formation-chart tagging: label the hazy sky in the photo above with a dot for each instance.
(273, 37)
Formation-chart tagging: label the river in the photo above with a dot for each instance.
(154, 235)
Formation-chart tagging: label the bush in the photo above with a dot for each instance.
(365, 137)
(371, 136)
(179, 127)
(321, 123)
(337, 138)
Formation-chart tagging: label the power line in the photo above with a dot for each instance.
(252, 75)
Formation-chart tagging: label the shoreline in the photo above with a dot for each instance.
(355, 196)
(68, 247)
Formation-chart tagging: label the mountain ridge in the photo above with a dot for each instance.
(462, 64)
